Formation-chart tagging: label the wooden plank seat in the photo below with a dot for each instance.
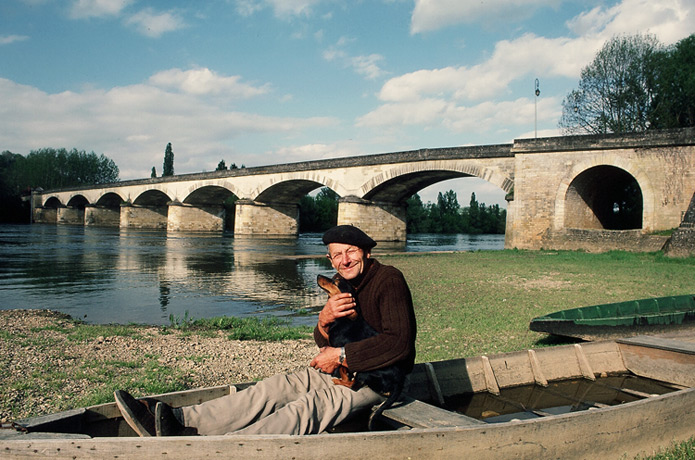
(417, 414)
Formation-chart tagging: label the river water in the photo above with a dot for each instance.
(111, 275)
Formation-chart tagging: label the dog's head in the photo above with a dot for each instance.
(336, 286)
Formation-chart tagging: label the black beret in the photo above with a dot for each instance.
(348, 234)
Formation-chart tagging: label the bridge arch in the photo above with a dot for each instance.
(152, 198)
(604, 197)
(291, 188)
(109, 200)
(288, 191)
(209, 195)
(53, 203)
(78, 201)
(397, 184)
(610, 194)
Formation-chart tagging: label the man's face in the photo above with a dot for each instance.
(349, 261)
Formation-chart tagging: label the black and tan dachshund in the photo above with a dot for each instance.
(387, 381)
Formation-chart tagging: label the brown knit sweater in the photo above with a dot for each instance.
(387, 306)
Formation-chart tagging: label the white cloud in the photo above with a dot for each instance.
(429, 15)
(284, 9)
(9, 39)
(368, 66)
(365, 65)
(450, 96)
(510, 61)
(206, 82)
(154, 24)
(84, 9)
(133, 124)
(296, 153)
(670, 20)
(486, 116)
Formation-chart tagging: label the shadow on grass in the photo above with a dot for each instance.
(554, 340)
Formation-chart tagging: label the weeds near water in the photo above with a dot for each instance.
(263, 329)
(177, 322)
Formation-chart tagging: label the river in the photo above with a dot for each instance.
(111, 275)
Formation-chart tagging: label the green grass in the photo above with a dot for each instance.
(678, 451)
(482, 302)
(263, 329)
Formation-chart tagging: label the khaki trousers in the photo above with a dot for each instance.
(306, 402)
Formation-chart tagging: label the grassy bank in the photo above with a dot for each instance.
(466, 304)
(482, 302)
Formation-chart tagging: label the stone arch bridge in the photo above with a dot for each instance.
(591, 192)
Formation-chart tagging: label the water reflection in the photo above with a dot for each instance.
(144, 276)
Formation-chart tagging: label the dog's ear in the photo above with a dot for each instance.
(327, 285)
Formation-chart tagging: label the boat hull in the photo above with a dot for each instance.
(615, 433)
(622, 431)
(663, 315)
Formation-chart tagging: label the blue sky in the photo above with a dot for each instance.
(258, 82)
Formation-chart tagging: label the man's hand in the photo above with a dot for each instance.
(337, 306)
(327, 360)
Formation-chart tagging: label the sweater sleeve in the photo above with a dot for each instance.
(320, 340)
(388, 307)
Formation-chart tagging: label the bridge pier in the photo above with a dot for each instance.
(101, 216)
(189, 218)
(381, 221)
(45, 215)
(70, 216)
(252, 218)
(134, 216)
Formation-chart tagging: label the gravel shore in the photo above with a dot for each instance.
(43, 368)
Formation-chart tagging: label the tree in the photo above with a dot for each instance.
(326, 208)
(613, 94)
(673, 85)
(48, 168)
(168, 169)
(475, 215)
(221, 166)
(417, 218)
(153, 174)
(55, 168)
(320, 213)
(449, 216)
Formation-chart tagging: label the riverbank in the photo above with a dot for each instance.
(49, 362)
(466, 304)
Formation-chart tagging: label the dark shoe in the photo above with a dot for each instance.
(166, 423)
(138, 413)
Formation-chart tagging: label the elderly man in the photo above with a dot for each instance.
(307, 401)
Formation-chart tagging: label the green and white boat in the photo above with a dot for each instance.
(660, 315)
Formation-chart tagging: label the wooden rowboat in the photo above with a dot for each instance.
(660, 315)
(610, 399)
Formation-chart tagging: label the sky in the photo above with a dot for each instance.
(262, 82)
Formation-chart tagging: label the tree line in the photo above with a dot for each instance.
(47, 168)
(319, 213)
(634, 84)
